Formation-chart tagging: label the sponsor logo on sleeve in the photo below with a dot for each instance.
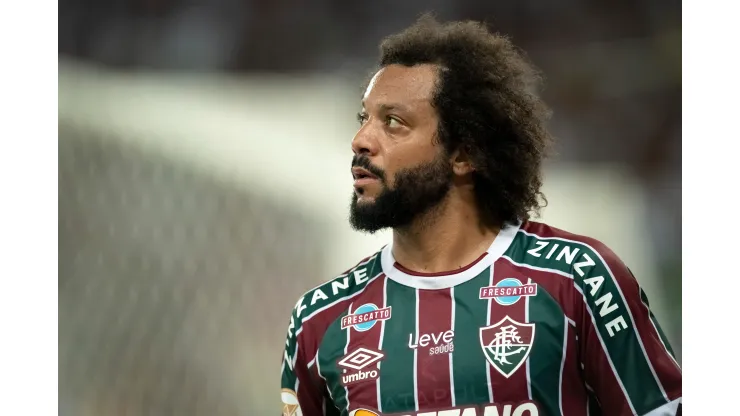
(290, 403)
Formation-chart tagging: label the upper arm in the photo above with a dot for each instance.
(627, 361)
(302, 392)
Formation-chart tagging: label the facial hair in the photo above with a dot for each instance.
(416, 191)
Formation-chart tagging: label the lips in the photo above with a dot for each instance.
(361, 173)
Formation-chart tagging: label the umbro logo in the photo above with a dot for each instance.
(352, 365)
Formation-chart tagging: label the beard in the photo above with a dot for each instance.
(416, 191)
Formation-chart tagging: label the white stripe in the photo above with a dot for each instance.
(297, 382)
(380, 343)
(318, 371)
(668, 409)
(452, 327)
(652, 322)
(562, 364)
(295, 356)
(593, 319)
(317, 311)
(588, 387)
(311, 363)
(624, 300)
(526, 320)
(346, 347)
(488, 322)
(416, 356)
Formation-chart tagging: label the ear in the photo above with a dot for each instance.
(461, 163)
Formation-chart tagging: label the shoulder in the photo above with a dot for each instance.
(325, 302)
(576, 254)
(339, 288)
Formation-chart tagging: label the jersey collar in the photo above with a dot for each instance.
(499, 246)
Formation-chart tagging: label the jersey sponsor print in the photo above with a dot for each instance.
(507, 409)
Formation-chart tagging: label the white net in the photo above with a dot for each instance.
(174, 289)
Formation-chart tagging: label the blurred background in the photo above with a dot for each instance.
(204, 153)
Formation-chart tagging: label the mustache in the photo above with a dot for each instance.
(363, 161)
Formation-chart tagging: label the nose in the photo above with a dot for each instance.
(365, 141)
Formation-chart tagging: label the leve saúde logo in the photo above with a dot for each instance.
(507, 344)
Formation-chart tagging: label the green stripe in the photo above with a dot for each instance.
(661, 334)
(469, 364)
(623, 347)
(332, 346)
(397, 369)
(547, 351)
(287, 380)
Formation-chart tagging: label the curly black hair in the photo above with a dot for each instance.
(488, 107)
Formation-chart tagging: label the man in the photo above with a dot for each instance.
(473, 309)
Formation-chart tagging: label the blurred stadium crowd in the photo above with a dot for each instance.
(175, 287)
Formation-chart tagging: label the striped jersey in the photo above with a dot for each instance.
(544, 323)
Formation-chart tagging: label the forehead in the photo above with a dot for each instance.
(401, 85)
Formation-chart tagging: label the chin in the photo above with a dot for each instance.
(365, 200)
(365, 197)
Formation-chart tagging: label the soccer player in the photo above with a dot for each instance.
(472, 309)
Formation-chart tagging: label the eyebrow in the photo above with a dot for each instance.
(389, 107)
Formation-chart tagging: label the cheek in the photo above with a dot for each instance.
(408, 155)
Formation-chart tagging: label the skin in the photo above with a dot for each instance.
(398, 130)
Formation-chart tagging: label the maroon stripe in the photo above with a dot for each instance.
(312, 331)
(665, 367)
(574, 391)
(514, 388)
(437, 274)
(309, 388)
(311, 384)
(432, 344)
(598, 372)
(364, 393)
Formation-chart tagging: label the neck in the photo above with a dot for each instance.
(449, 237)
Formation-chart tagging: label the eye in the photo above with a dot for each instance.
(392, 122)
(361, 118)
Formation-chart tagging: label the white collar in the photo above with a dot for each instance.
(499, 246)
